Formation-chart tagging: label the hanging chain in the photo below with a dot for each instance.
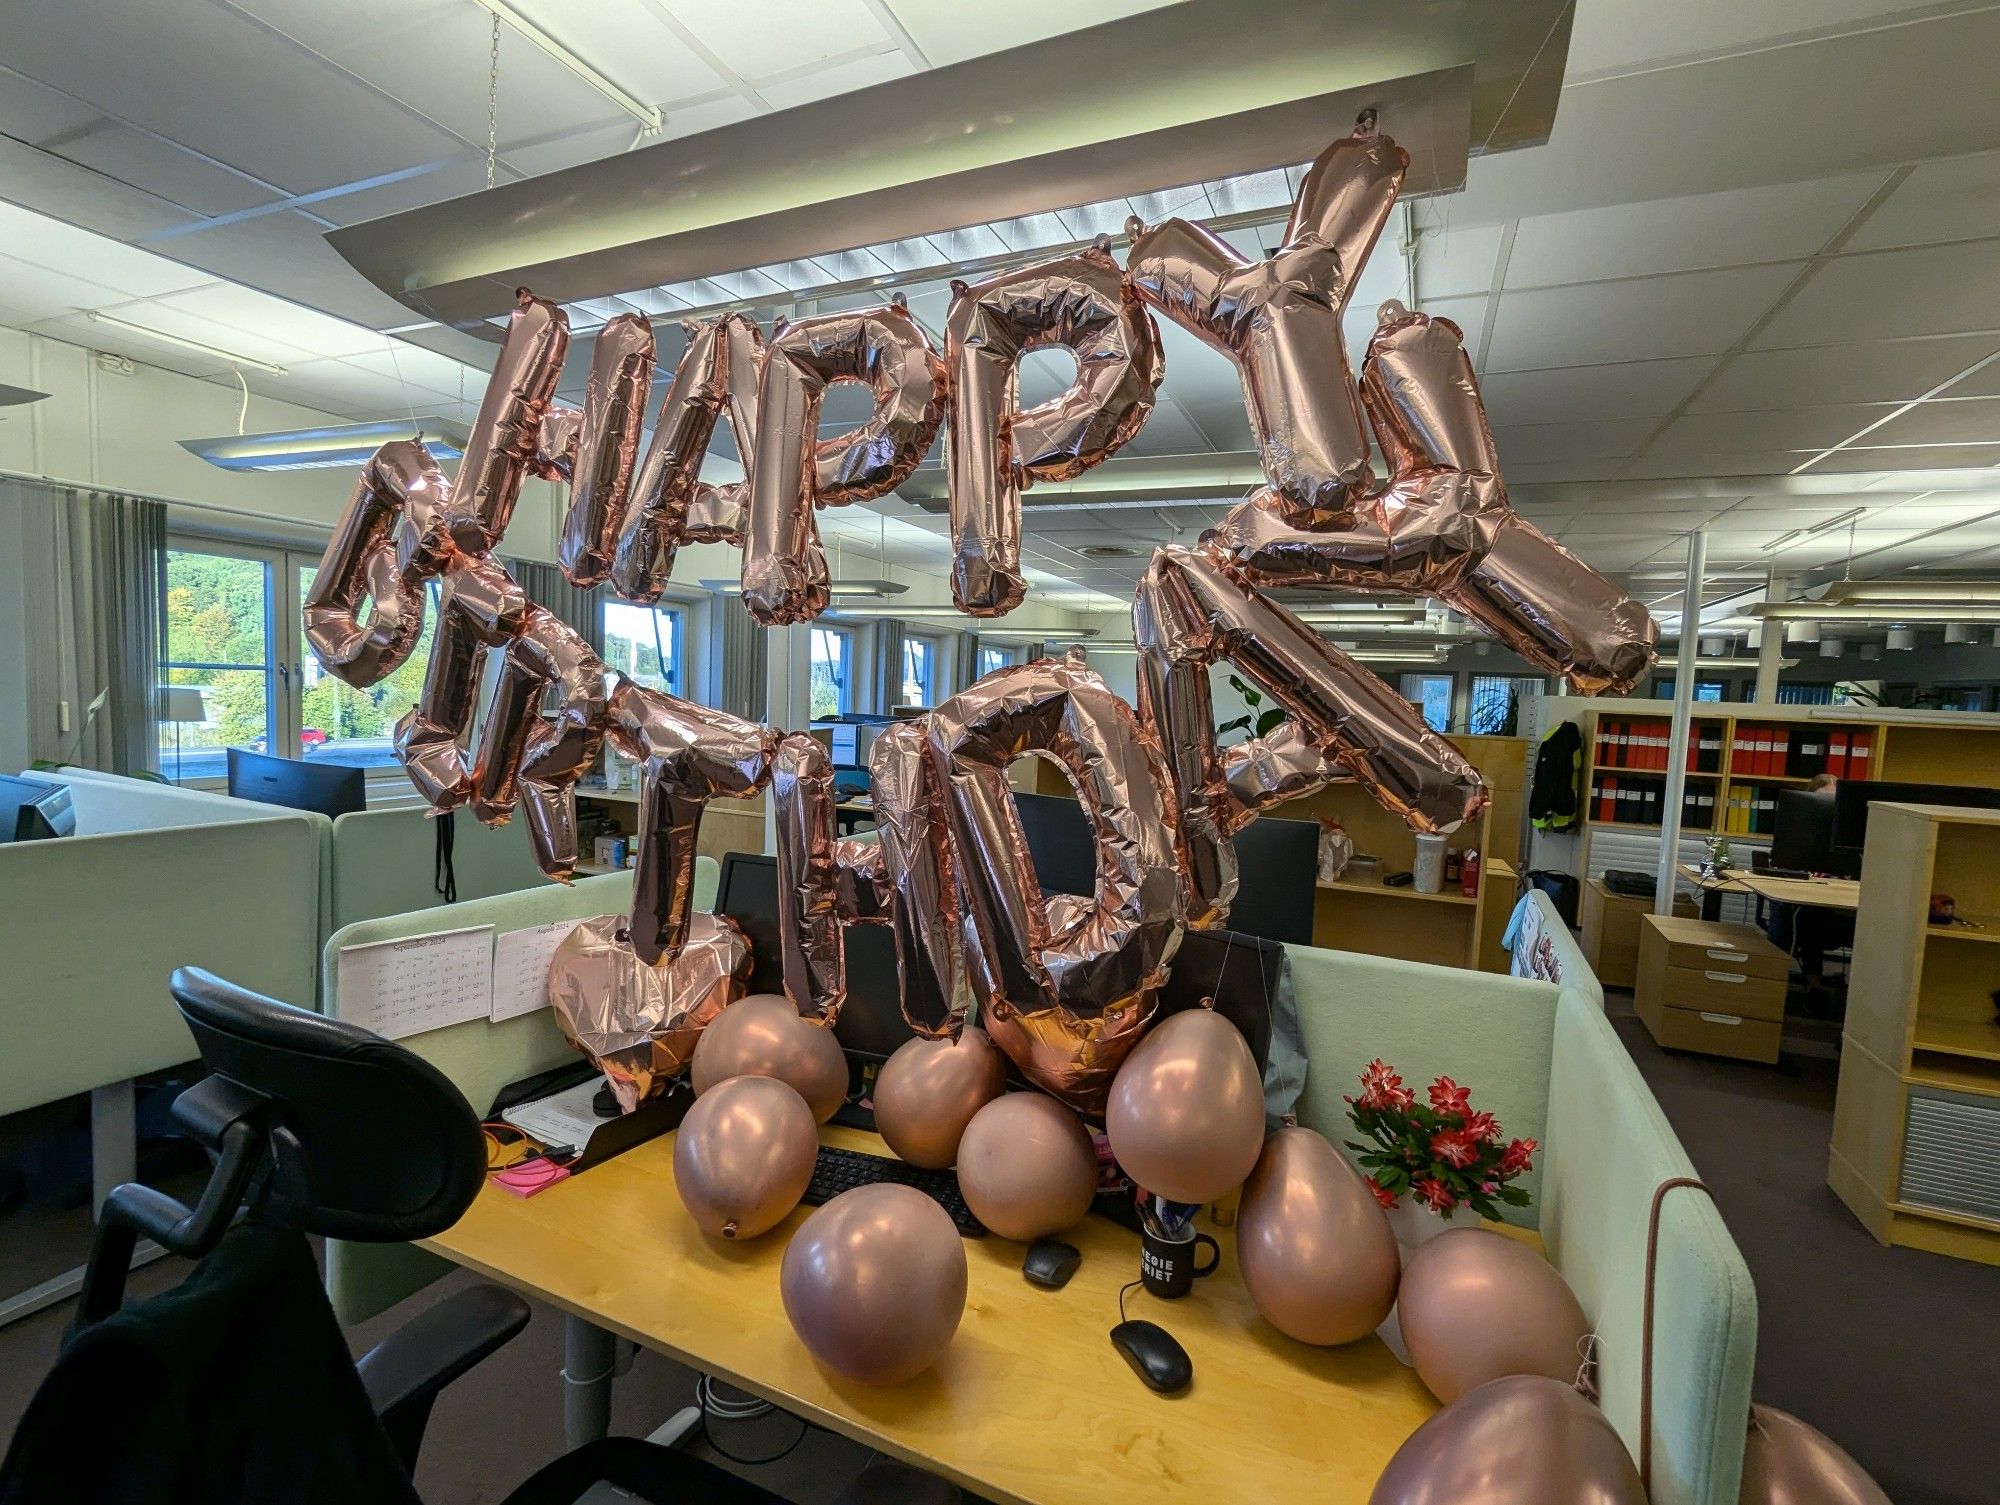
(493, 103)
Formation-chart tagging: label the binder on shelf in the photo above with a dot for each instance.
(1859, 750)
(1836, 759)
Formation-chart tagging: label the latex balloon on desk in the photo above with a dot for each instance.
(1186, 1116)
(1786, 1462)
(744, 1156)
(763, 1035)
(1476, 1305)
(1524, 1440)
(874, 1283)
(1026, 1167)
(929, 1090)
(1317, 1254)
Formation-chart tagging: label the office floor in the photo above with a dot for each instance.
(1890, 1351)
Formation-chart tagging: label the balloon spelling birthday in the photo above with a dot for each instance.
(1065, 986)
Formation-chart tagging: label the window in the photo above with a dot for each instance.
(1805, 694)
(997, 658)
(1431, 694)
(356, 728)
(1500, 704)
(919, 671)
(219, 631)
(645, 644)
(832, 679)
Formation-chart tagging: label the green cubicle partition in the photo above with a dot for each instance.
(384, 862)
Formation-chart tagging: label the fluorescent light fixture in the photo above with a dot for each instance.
(181, 342)
(1835, 647)
(647, 115)
(340, 445)
(1707, 661)
(1799, 535)
(1875, 611)
(859, 591)
(1802, 630)
(1958, 632)
(1902, 639)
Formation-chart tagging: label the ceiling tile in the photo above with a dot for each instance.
(841, 78)
(48, 292)
(950, 31)
(1536, 443)
(1698, 434)
(1958, 199)
(260, 314)
(157, 167)
(629, 44)
(1775, 222)
(1885, 294)
(1635, 389)
(777, 35)
(1452, 260)
(1922, 457)
(1678, 464)
(289, 256)
(1876, 371)
(1969, 420)
(1694, 313)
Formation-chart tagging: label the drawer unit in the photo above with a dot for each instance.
(1714, 988)
(1610, 926)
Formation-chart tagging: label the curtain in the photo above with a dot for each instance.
(888, 665)
(745, 660)
(966, 670)
(102, 607)
(580, 606)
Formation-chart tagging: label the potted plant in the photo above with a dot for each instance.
(1436, 1161)
(1256, 722)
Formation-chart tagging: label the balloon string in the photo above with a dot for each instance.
(1646, 1328)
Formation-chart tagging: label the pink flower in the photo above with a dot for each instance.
(1379, 1085)
(1519, 1156)
(1482, 1126)
(1382, 1194)
(1448, 1097)
(1490, 1188)
(1400, 1098)
(1434, 1194)
(1455, 1148)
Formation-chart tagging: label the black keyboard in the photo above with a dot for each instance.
(837, 1171)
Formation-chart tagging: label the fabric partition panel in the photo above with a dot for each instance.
(478, 1056)
(384, 862)
(888, 665)
(582, 607)
(94, 925)
(1608, 1147)
(745, 660)
(1484, 1031)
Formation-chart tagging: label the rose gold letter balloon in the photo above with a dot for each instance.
(1026, 1167)
(1081, 302)
(763, 1035)
(1186, 1116)
(744, 1156)
(1525, 1440)
(874, 1283)
(1476, 1305)
(1786, 1462)
(928, 1091)
(1317, 1253)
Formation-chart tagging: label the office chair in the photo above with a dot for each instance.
(320, 1127)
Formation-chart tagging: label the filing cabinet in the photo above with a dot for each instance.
(1710, 987)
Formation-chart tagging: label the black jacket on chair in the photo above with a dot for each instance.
(234, 1388)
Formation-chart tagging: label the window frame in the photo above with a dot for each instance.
(672, 647)
(843, 682)
(280, 694)
(933, 658)
(1004, 655)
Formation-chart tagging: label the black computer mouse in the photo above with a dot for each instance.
(1051, 1262)
(1154, 1356)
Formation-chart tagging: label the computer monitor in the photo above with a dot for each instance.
(325, 787)
(33, 811)
(1240, 972)
(1852, 797)
(1278, 860)
(1802, 840)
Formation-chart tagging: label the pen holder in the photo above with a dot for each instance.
(1168, 1268)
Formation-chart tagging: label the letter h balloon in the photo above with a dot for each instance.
(1064, 984)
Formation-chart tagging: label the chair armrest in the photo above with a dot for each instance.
(405, 1371)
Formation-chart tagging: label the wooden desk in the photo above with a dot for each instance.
(1821, 893)
(1030, 1402)
(849, 812)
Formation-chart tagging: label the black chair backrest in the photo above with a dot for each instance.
(366, 1141)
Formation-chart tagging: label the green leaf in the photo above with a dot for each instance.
(1271, 719)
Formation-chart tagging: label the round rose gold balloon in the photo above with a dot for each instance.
(1786, 1462)
(1026, 1167)
(1524, 1440)
(763, 1035)
(1316, 1250)
(744, 1156)
(874, 1283)
(927, 1092)
(1476, 1305)
(1186, 1116)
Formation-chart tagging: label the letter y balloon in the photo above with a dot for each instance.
(1066, 985)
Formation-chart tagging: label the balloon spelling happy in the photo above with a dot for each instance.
(763, 1035)
(874, 1283)
(1186, 1116)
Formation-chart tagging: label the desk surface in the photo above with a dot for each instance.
(1030, 1402)
(1824, 893)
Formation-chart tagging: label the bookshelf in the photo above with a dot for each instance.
(1916, 1127)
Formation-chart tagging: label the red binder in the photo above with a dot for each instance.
(1836, 755)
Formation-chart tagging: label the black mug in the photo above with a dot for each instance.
(1168, 1267)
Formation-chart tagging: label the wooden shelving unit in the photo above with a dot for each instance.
(1916, 1129)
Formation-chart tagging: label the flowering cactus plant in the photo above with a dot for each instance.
(1443, 1153)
